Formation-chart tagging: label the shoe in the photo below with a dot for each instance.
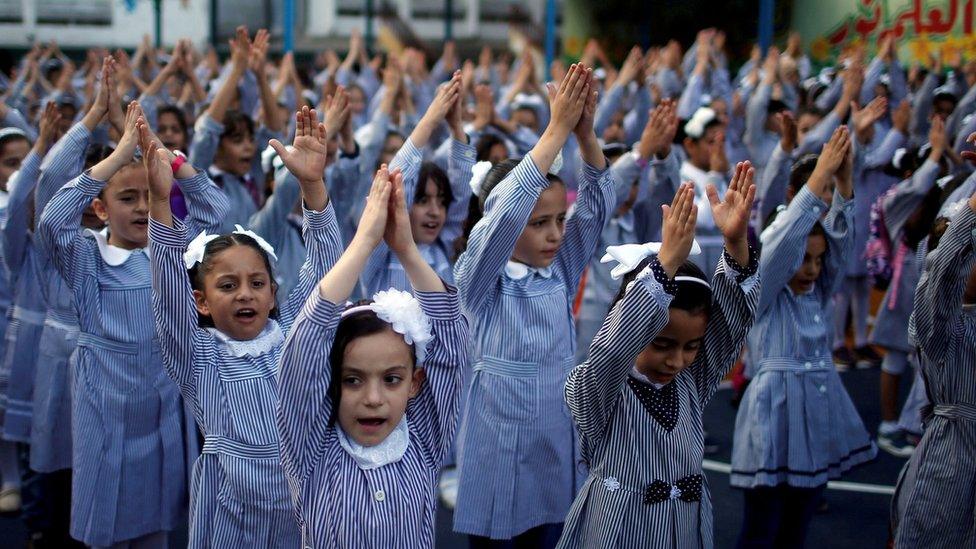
(866, 357)
(9, 500)
(448, 487)
(843, 359)
(896, 444)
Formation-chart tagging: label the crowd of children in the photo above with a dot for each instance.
(298, 306)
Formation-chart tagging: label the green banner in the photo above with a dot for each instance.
(923, 28)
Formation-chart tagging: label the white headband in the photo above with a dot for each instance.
(403, 312)
(629, 256)
(12, 130)
(695, 128)
(198, 246)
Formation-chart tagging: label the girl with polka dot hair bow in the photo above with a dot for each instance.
(669, 339)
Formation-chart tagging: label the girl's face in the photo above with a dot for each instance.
(238, 294)
(124, 206)
(805, 278)
(170, 133)
(428, 214)
(527, 118)
(497, 153)
(614, 133)
(391, 145)
(13, 153)
(378, 379)
(540, 240)
(357, 101)
(675, 348)
(235, 153)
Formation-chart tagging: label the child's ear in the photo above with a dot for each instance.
(201, 301)
(98, 206)
(417, 381)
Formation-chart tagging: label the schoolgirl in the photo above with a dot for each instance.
(517, 451)
(221, 343)
(128, 425)
(638, 401)
(368, 393)
(796, 426)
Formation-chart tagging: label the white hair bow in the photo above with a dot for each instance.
(478, 173)
(695, 127)
(404, 314)
(196, 249)
(629, 256)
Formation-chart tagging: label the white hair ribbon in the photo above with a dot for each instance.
(695, 127)
(478, 173)
(197, 247)
(403, 312)
(268, 249)
(529, 100)
(557, 163)
(629, 256)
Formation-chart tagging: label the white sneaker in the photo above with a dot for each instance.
(9, 500)
(448, 487)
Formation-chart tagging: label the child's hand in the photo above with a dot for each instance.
(831, 158)
(126, 147)
(257, 54)
(99, 106)
(631, 67)
(658, 134)
(788, 138)
(584, 128)
(398, 234)
(901, 116)
(937, 138)
(731, 214)
(863, 119)
(678, 229)
(240, 50)
(336, 113)
(484, 109)
(568, 101)
(372, 224)
(155, 159)
(447, 94)
(970, 155)
(48, 130)
(305, 159)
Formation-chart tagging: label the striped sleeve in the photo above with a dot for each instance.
(206, 138)
(304, 377)
(938, 299)
(323, 245)
(907, 196)
(434, 412)
(271, 221)
(206, 204)
(493, 238)
(783, 244)
(735, 295)
(593, 387)
(16, 226)
(840, 245)
(459, 163)
(583, 229)
(59, 227)
(173, 307)
(64, 161)
(408, 159)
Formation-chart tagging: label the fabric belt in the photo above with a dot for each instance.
(965, 412)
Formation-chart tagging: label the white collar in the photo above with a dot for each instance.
(697, 175)
(269, 338)
(4, 199)
(113, 255)
(518, 271)
(389, 451)
(644, 379)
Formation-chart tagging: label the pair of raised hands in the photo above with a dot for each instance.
(573, 102)
(731, 215)
(307, 158)
(385, 217)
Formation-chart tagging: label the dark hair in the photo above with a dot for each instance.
(485, 144)
(812, 111)
(236, 123)
(11, 137)
(198, 272)
(180, 119)
(97, 153)
(775, 105)
(693, 297)
(920, 223)
(801, 171)
(476, 208)
(359, 324)
(432, 172)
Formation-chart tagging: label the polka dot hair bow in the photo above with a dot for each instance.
(629, 256)
(688, 489)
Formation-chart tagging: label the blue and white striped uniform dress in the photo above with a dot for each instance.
(130, 461)
(891, 322)
(936, 496)
(338, 504)
(628, 449)
(27, 313)
(796, 423)
(517, 448)
(238, 494)
(384, 269)
(51, 429)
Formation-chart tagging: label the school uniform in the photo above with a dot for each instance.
(238, 494)
(343, 498)
(643, 441)
(517, 452)
(940, 479)
(796, 423)
(383, 270)
(130, 454)
(27, 314)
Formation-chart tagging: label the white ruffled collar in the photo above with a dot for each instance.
(644, 379)
(518, 271)
(269, 338)
(391, 450)
(113, 255)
